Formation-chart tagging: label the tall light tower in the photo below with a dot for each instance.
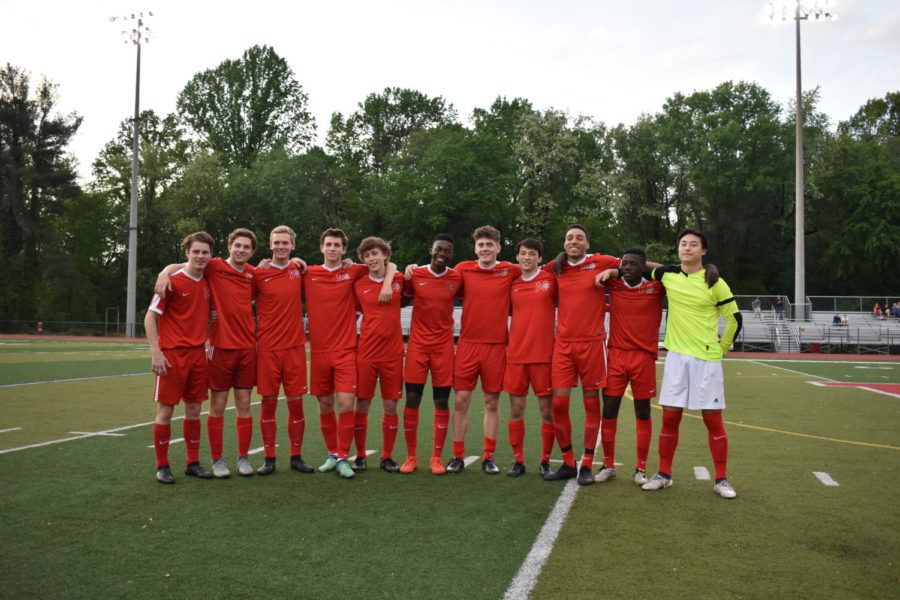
(139, 34)
(800, 11)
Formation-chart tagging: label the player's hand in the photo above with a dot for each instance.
(712, 275)
(604, 276)
(163, 284)
(301, 264)
(347, 263)
(159, 363)
(264, 263)
(213, 315)
(385, 296)
(408, 272)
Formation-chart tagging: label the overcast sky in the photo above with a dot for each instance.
(611, 60)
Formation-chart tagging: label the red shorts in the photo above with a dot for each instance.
(439, 363)
(519, 375)
(332, 372)
(275, 368)
(584, 359)
(474, 359)
(226, 369)
(636, 366)
(389, 372)
(185, 377)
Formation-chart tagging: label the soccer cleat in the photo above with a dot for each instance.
(360, 464)
(195, 469)
(585, 476)
(344, 469)
(298, 464)
(544, 468)
(164, 475)
(658, 482)
(388, 464)
(517, 470)
(244, 467)
(329, 465)
(605, 474)
(456, 465)
(437, 466)
(409, 465)
(562, 473)
(640, 477)
(489, 466)
(724, 489)
(220, 469)
(268, 467)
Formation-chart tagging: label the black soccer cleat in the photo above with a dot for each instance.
(388, 464)
(456, 465)
(562, 473)
(585, 476)
(298, 464)
(164, 475)
(360, 464)
(268, 467)
(517, 470)
(195, 469)
(489, 466)
(544, 468)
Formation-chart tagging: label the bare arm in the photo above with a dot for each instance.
(158, 361)
(163, 283)
(386, 292)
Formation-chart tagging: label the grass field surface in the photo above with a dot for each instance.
(84, 518)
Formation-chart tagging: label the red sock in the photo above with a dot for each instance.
(459, 449)
(411, 430)
(591, 430)
(562, 424)
(389, 425)
(517, 439)
(214, 428)
(161, 435)
(643, 432)
(441, 422)
(608, 441)
(346, 422)
(328, 425)
(360, 431)
(296, 424)
(718, 442)
(191, 431)
(668, 439)
(490, 446)
(244, 427)
(548, 436)
(268, 426)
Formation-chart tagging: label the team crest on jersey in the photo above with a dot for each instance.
(451, 287)
(589, 266)
(294, 273)
(342, 277)
(542, 286)
(395, 287)
(501, 273)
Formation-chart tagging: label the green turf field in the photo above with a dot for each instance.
(85, 517)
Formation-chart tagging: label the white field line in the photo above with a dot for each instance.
(701, 473)
(6, 385)
(258, 450)
(825, 478)
(528, 573)
(819, 362)
(101, 433)
(762, 364)
(470, 459)
(10, 429)
(105, 433)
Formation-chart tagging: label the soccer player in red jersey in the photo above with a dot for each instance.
(176, 331)
(231, 354)
(281, 347)
(482, 344)
(380, 353)
(530, 349)
(635, 306)
(579, 350)
(331, 309)
(430, 349)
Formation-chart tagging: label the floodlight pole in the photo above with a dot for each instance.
(799, 221)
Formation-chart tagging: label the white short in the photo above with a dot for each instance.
(694, 383)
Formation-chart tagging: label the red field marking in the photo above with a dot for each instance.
(890, 389)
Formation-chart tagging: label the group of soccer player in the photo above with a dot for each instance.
(525, 325)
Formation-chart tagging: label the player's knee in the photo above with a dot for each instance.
(642, 409)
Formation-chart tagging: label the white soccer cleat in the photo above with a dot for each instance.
(605, 474)
(640, 477)
(220, 469)
(724, 489)
(657, 482)
(244, 467)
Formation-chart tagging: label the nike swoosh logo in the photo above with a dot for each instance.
(423, 283)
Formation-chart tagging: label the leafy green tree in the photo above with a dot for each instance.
(247, 106)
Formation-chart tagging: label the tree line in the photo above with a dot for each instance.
(240, 151)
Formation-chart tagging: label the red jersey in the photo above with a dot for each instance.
(331, 307)
(634, 314)
(486, 301)
(232, 293)
(380, 335)
(183, 313)
(279, 307)
(431, 328)
(533, 319)
(582, 305)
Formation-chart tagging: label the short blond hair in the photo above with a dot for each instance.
(284, 229)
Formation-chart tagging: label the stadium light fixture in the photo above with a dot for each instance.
(800, 11)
